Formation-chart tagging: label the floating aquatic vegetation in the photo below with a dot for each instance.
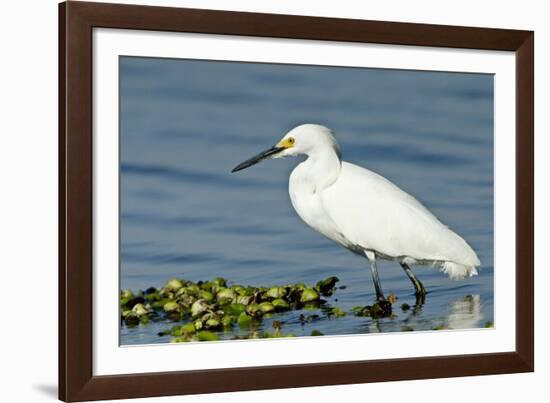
(138, 314)
(266, 307)
(173, 285)
(276, 292)
(203, 335)
(171, 306)
(203, 310)
(374, 311)
(187, 311)
(280, 305)
(327, 286)
(309, 295)
(336, 312)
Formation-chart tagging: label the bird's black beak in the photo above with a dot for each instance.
(257, 158)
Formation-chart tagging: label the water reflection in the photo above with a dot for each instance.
(465, 313)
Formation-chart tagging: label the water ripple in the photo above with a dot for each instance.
(187, 175)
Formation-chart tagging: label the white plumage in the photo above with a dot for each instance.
(379, 216)
(365, 212)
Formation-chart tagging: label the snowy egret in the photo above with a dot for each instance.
(364, 212)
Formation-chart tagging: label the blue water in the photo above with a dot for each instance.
(185, 124)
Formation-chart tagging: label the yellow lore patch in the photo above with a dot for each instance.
(286, 143)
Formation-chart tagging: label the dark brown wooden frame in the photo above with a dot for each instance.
(76, 22)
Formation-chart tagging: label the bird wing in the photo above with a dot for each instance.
(373, 213)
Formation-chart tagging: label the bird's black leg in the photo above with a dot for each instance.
(380, 299)
(419, 289)
(376, 280)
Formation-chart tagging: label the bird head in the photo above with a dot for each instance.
(305, 139)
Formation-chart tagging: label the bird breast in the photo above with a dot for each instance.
(305, 196)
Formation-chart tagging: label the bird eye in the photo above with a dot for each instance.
(291, 140)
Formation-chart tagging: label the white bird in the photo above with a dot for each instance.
(364, 212)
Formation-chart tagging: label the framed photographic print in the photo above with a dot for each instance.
(252, 201)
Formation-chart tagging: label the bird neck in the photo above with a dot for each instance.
(323, 168)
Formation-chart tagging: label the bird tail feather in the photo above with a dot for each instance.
(457, 271)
